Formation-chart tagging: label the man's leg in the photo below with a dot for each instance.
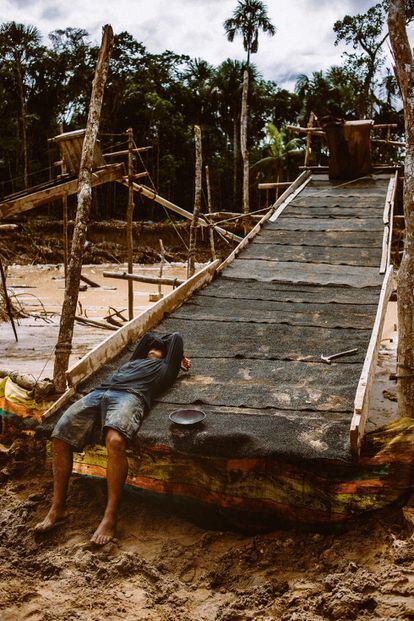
(62, 468)
(116, 475)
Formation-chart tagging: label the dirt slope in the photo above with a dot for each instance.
(165, 568)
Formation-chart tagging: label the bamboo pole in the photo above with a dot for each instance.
(197, 201)
(64, 343)
(130, 213)
(210, 211)
(243, 141)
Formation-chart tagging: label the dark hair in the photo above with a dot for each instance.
(159, 345)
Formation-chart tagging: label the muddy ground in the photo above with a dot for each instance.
(163, 567)
(40, 240)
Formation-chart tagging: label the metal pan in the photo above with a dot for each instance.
(187, 416)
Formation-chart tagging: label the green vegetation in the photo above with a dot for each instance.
(161, 96)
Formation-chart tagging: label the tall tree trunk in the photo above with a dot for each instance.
(130, 216)
(23, 127)
(197, 200)
(404, 69)
(64, 343)
(243, 141)
(210, 210)
(235, 158)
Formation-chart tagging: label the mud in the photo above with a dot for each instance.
(164, 567)
(40, 241)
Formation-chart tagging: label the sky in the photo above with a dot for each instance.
(304, 41)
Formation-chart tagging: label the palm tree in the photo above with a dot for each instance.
(18, 44)
(281, 151)
(248, 19)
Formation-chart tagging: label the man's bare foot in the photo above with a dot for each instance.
(105, 532)
(54, 518)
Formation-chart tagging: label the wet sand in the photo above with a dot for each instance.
(41, 287)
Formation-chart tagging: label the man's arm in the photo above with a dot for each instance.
(175, 350)
(144, 345)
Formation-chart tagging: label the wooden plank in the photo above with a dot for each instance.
(204, 308)
(266, 341)
(384, 254)
(388, 199)
(305, 273)
(343, 239)
(287, 223)
(362, 396)
(281, 202)
(344, 193)
(277, 384)
(336, 211)
(317, 202)
(225, 287)
(391, 216)
(36, 199)
(368, 257)
(114, 344)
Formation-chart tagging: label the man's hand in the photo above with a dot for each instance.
(185, 364)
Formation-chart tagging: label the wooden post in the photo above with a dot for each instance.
(130, 213)
(161, 267)
(7, 300)
(197, 201)
(210, 210)
(404, 69)
(309, 138)
(64, 343)
(65, 226)
(243, 142)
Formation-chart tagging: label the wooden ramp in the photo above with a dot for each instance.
(314, 280)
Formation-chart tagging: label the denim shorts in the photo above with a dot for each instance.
(100, 410)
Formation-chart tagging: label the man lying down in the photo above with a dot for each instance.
(118, 405)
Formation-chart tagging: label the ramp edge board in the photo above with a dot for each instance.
(362, 397)
(387, 218)
(282, 202)
(114, 343)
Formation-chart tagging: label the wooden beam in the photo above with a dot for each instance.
(134, 329)
(362, 397)
(125, 151)
(391, 216)
(6, 228)
(271, 186)
(393, 143)
(112, 172)
(388, 223)
(317, 131)
(148, 193)
(154, 280)
(282, 201)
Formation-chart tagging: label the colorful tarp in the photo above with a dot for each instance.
(18, 403)
(269, 490)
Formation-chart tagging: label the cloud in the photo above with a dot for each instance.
(304, 41)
